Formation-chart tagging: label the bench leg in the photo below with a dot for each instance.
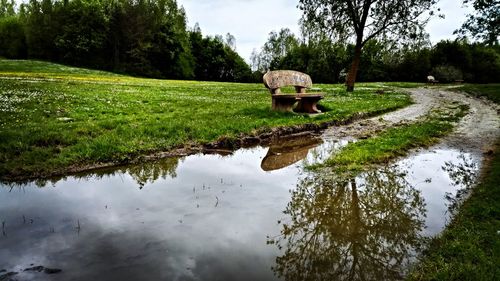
(308, 106)
(283, 105)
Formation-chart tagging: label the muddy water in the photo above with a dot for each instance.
(254, 215)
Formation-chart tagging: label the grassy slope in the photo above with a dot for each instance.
(469, 248)
(114, 117)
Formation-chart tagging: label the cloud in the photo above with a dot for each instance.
(250, 21)
(455, 15)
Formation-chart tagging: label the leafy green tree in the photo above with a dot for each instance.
(12, 39)
(231, 41)
(454, 53)
(39, 34)
(322, 59)
(365, 20)
(484, 24)
(82, 37)
(170, 50)
(278, 45)
(139, 37)
(478, 62)
(372, 66)
(7, 8)
(413, 66)
(485, 67)
(216, 59)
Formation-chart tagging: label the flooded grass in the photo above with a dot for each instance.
(54, 117)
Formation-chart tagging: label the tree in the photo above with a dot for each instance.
(278, 45)
(7, 8)
(12, 39)
(322, 59)
(231, 41)
(83, 34)
(363, 20)
(485, 23)
(216, 59)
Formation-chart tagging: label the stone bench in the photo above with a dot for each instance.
(274, 80)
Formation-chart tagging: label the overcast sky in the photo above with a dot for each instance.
(250, 21)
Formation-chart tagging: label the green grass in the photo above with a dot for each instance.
(53, 117)
(490, 91)
(469, 248)
(395, 141)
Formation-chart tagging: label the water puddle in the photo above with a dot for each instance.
(253, 215)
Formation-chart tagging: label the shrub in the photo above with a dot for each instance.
(447, 73)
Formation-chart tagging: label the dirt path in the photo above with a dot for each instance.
(477, 132)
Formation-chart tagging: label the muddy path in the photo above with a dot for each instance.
(476, 132)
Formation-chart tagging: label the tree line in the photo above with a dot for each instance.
(328, 61)
(140, 37)
(348, 41)
(151, 38)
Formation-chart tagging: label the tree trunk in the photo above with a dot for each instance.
(116, 55)
(353, 71)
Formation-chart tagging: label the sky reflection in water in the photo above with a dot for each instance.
(208, 217)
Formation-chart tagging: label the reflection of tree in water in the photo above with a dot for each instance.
(143, 173)
(149, 172)
(463, 174)
(350, 228)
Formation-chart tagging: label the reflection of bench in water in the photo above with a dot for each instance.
(287, 152)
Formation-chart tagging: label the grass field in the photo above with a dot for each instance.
(53, 117)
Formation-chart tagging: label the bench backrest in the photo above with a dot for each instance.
(274, 80)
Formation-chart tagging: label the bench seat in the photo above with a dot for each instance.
(307, 103)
